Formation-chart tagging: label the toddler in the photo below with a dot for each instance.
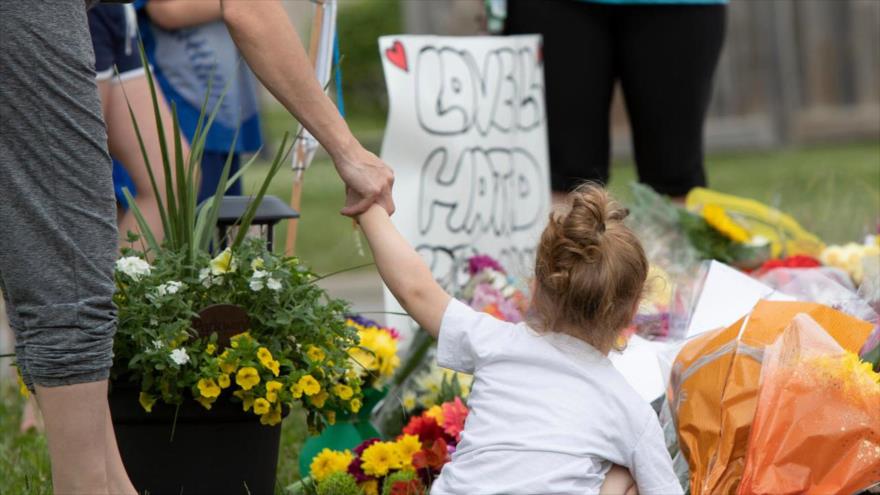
(549, 414)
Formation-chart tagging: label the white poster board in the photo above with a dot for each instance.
(467, 139)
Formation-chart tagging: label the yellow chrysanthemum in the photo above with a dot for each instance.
(272, 417)
(247, 377)
(329, 462)
(146, 401)
(318, 399)
(224, 381)
(210, 348)
(379, 458)
(223, 263)
(407, 446)
(208, 388)
(205, 402)
(344, 392)
(272, 388)
(355, 405)
(261, 406)
(718, 219)
(315, 353)
(247, 399)
(857, 376)
(309, 385)
(370, 487)
(435, 412)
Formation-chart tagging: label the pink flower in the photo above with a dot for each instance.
(480, 262)
(454, 414)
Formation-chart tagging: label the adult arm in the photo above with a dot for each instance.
(269, 43)
(404, 271)
(178, 14)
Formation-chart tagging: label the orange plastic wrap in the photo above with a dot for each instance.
(714, 387)
(817, 424)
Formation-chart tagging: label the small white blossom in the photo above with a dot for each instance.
(259, 274)
(205, 277)
(179, 356)
(157, 344)
(273, 284)
(256, 285)
(153, 322)
(167, 288)
(133, 266)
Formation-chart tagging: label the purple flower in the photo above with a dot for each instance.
(480, 262)
(485, 295)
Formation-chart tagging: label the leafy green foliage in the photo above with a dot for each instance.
(338, 484)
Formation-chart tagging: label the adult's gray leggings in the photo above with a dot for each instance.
(57, 213)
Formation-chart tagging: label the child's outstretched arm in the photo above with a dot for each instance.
(404, 271)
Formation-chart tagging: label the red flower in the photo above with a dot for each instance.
(425, 428)
(796, 261)
(454, 414)
(433, 456)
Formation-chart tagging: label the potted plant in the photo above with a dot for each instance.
(213, 349)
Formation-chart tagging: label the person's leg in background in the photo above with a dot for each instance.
(578, 84)
(57, 204)
(212, 168)
(667, 56)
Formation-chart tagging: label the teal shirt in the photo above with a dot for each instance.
(659, 2)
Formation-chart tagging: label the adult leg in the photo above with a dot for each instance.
(667, 55)
(578, 79)
(57, 202)
(123, 143)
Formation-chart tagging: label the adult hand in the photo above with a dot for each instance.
(368, 180)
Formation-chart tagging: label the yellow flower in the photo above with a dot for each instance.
(315, 353)
(208, 388)
(318, 399)
(223, 263)
(23, 390)
(210, 348)
(370, 487)
(296, 390)
(205, 402)
(309, 385)
(223, 381)
(261, 406)
(264, 355)
(272, 417)
(718, 219)
(331, 417)
(146, 401)
(407, 445)
(329, 462)
(272, 388)
(355, 405)
(275, 367)
(235, 339)
(247, 377)
(344, 392)
(435, 412)
(257, 264)
(226, 365)
(409, 400)
(379, 458)
(247, 399)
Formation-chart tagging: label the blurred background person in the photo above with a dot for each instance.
(190, 50)
(663, 52)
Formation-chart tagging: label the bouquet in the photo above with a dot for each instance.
(406, 465)
(491, 290)
(816, 427)
(375, 357)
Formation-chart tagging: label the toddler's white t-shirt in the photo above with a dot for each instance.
(549, 414)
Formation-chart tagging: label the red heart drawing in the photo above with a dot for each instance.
(397, 55)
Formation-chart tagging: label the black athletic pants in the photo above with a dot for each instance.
(664, 57)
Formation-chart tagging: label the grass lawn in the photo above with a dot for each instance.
(833, 191)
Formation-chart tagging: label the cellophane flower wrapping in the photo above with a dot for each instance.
(817, 423)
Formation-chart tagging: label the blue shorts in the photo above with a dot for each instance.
(114, 38)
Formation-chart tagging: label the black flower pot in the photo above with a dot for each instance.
(219, 451)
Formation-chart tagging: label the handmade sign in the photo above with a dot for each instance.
(467, 139)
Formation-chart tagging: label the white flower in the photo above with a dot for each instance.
(205, 277)
(257, 263)
(259, 274)
(167, 288)
(256, 285)
(153, 322)
(179, 356)
(157, 344)
(133, 266)
(273, 284)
